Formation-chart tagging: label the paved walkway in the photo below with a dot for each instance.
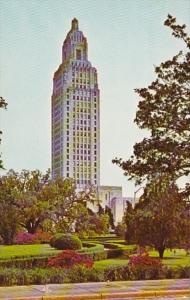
(99, 290)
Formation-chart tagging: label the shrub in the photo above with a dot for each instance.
(42, 237)
(15, 276)
(24, 238)
(80, 273)
(120, 230)
(66, 242)
(68, 259)
(143, 266)
(112, 253)
(117, 273)
(25, 263)
(39, 237)
(93, 251)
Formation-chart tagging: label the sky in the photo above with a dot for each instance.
(126, 40)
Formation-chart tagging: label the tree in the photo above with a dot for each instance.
(99, 224)
(9, 212)
(110, 214)
(66, 202)
(120, 230)
(165, 111)
(159, 219)
(35, 201)
(3, 104)
(26, 192)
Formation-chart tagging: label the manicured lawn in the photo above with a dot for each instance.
(14, 251)
(173, 258)
(103, 264)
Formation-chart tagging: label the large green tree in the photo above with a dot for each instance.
(159, 219)
(39, 202)
(164, 110)
(25, 189)
(9, 212)
(164, 157)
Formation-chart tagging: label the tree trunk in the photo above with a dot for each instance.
(161, 251)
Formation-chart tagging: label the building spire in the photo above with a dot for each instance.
(74, 24)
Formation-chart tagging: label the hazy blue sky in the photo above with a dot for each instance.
(126, 39)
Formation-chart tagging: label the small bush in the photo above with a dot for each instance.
(66, 242)
(68, 259)
(80, 273)
(25, 238)
(143, 266)
(42, 237)
(117, 273)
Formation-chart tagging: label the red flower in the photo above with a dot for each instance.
(69, 258)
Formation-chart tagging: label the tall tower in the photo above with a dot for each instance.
(75, 114)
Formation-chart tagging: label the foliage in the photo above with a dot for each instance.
(99, 224)
(144, 260)
(107, 211)
(79, 273)
(89, 224)
(9, 213)
(23, 238)
(26, 262)
(34, 202)
(93, 250)
(165, 111)
(117, 273)
(26, 198)
(66, 242)
(120, 230)
(159, 219)
(35, 238)
(68, 259)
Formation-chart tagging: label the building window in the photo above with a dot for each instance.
(78, 54)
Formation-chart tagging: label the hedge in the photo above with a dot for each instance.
(14, 276)
(25, 263)
(95, 252)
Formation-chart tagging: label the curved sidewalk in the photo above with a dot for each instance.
(98, 290)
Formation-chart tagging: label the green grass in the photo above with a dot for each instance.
(16, 251)
(173, 259)
(103, 264)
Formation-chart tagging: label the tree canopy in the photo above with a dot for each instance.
(159, 218)
(32, 201)
(164, 110)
